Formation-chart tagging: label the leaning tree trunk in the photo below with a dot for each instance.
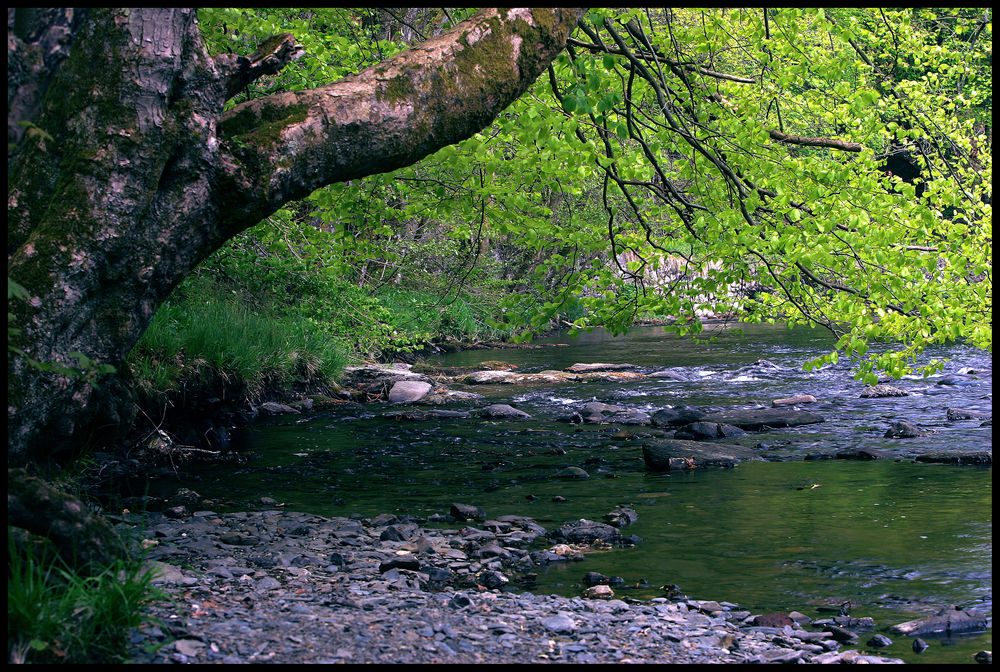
(130, 174)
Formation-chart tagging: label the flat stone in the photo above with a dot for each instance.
(673, 454)
(792, 401)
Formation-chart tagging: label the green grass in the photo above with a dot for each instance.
(217, 341)
(56, 615)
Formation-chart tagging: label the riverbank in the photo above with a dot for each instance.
(285, 587)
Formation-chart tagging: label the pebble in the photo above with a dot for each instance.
(301, 588)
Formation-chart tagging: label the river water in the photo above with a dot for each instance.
(897, 538)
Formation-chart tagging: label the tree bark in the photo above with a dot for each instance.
(134, 174)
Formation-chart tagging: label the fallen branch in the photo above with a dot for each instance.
(815, 142)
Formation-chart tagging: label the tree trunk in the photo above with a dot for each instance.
(131, 174)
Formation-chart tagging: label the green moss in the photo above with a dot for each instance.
(262, 125)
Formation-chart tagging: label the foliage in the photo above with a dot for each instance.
(747, 150)
(55, 615)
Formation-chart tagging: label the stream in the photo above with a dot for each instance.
(802, 531)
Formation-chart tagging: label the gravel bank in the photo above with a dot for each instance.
(285, 587)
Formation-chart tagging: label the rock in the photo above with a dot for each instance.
(758, 419)
(670, 375)
(492, 579)
(777, 619)
(701, 431)
(408, 391)
(598, 366)
(502, 412)
(983, 657)
(950, 621)
(792, 401)
(877, 391)
(599, 592)
(675, 417)
(467, 512)
(975, 457)
(902, 430)
(274, 408)
(862, 454)
(672, 454)
(878, 641)
(621, 516)
(572, 473)
(919, 646)
(585, 531)
(561, 624)
(378, 380)
(966, 414)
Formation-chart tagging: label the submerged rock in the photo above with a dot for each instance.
(585, 531)
(903, 430)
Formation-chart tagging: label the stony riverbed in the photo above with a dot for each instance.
(284, 587)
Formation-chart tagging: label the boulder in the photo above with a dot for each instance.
(408, 391)
(621, 516)
(758, 419)
(672, 454)
(572, 473)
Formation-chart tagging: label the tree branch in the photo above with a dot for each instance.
(815, 142)
(273, 55)
(440, 92)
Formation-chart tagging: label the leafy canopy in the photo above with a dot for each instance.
(680, 162)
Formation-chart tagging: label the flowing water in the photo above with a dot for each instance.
(896, 538)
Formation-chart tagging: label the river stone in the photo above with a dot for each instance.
(701, 431)
(274, 408)
(598, 366)
(572, 472)
(980, 457)
(669, 454)
(408, 391)
(489, 378)
(585, 531)
(600, 592)
(676, 417)
(876, 391)
(757, 419)
(902, 430)
(950, 620)
(467, 512)
(862, 454)
(502, 412)
(560, 624)
(965, 414)
(791, 401)
(621, 516)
